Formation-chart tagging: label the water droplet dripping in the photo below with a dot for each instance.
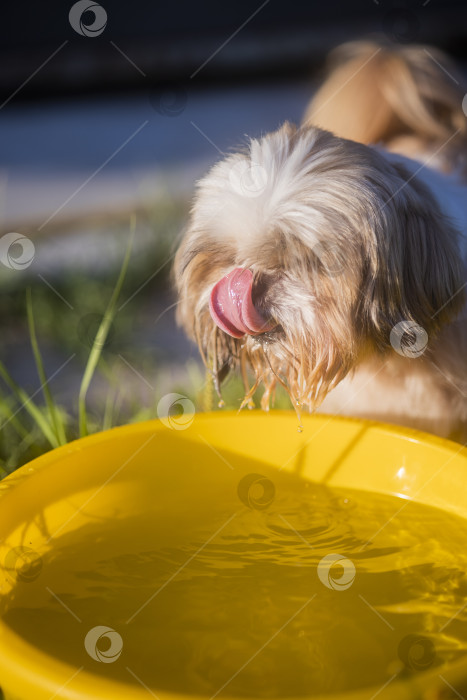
(221, 403)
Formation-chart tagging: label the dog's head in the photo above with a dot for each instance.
(302, 254)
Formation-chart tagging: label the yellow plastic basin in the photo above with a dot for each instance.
(112, 478)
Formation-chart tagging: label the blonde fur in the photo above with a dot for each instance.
(408, 98)
(345, 244)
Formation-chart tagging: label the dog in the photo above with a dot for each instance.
(331, 258)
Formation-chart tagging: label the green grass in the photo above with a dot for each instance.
(55, 423)
(29, 428)
(101, 336)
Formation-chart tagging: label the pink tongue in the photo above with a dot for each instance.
(231, 305)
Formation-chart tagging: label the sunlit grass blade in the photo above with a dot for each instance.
(6, 411)
(28, 404)
(55, 417)
(21, 448)
(3, 473)
(208, 392)
(111, 403)
(101, 335)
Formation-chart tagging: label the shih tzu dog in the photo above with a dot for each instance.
(331, 257)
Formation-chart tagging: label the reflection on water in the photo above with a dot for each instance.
(244, 612)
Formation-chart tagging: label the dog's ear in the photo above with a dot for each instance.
(189, 268)
(198, 264)
(414, 271)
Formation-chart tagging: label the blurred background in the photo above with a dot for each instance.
(114, 109)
